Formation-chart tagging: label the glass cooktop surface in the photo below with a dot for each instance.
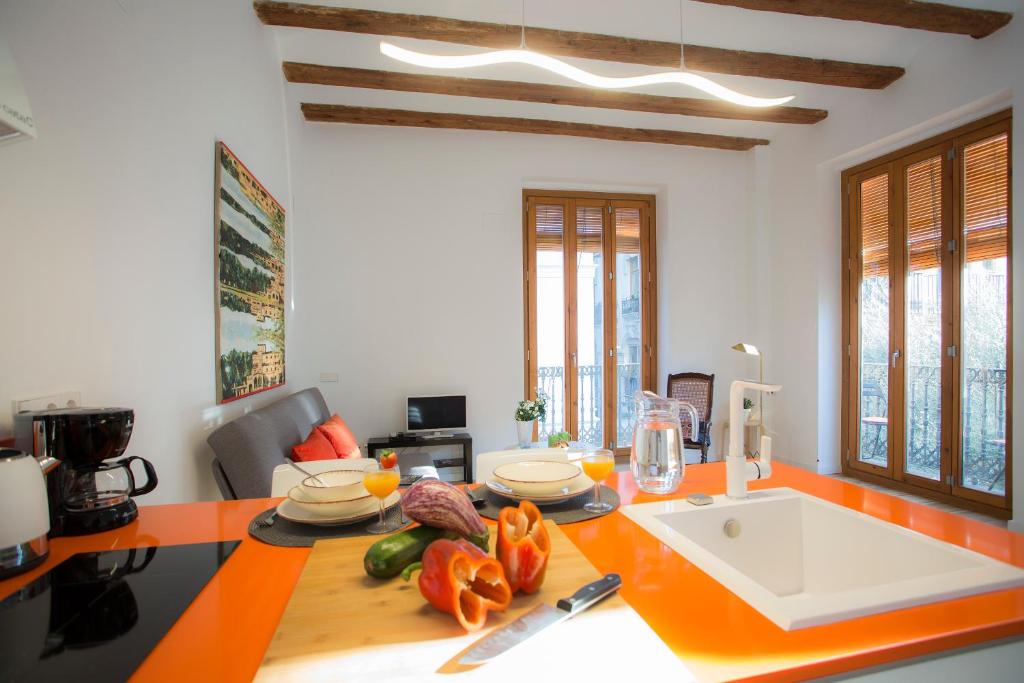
(96, 616)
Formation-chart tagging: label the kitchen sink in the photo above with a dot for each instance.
(802, 561)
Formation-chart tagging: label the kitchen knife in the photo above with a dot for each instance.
(539, 618)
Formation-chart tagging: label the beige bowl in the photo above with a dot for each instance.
(332, 508)
(334, 485)
(536, 477)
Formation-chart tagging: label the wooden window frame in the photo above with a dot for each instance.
(948, 489)
(569, 200)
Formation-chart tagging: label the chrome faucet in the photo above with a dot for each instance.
(737, 470)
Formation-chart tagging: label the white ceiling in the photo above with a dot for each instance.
(703, 24)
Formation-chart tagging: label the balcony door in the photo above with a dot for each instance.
(927, 285)
(589, 311)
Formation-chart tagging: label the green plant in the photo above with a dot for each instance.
(747, 404)
(558, 437)
(532, 410)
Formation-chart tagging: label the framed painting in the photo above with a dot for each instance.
(249, 282)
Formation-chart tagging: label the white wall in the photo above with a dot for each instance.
(946, 85)
(106, 221)
(409, 262)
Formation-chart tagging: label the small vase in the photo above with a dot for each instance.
(746, 415)
(524, 432)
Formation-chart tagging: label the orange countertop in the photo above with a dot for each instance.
(224, 633)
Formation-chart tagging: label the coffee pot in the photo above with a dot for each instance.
(91, 491)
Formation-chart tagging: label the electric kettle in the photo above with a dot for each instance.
(24, 511)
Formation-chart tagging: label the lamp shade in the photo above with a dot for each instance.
(746, 348)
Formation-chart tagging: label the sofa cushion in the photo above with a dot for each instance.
(316, 447)
(341, 437)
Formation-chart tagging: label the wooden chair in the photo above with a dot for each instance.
(697, 389)
(874, 396)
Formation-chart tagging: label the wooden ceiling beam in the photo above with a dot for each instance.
(788, 68)
(337, 113)
(575, 44)
(543, 93)
(926, 16)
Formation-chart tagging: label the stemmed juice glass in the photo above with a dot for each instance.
(597, 465)
(381, 483)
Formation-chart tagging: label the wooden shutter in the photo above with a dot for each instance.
(550, 222)
(924, 214)
(589, 228)
(986, 175)
(874, 226)
(627, 231)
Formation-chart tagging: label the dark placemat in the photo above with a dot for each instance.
(294, 535)
(566, 512)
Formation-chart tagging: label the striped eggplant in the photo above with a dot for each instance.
(436, 503)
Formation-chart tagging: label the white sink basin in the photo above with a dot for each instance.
(802, 561)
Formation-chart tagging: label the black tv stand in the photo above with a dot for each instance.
(422, 440)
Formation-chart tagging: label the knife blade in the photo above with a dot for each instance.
(538, 619)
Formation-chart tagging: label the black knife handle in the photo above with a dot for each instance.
(590, 594)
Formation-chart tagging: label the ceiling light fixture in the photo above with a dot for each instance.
(557, 66)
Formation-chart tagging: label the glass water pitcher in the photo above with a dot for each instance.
(656, 458)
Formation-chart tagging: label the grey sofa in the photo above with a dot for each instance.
(249, 448)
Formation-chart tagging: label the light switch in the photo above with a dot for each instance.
(328, 377)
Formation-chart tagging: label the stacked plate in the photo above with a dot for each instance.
(331, 498)
(294, 511)
(541, 482)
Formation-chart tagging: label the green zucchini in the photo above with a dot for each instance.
(392, 554)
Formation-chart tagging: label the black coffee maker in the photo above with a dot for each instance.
(89, 491)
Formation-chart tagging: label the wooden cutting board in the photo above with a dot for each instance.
(342, 625)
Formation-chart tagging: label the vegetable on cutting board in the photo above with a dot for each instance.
(390, 555)
(523, 547)
(436, 503)
(462, 580)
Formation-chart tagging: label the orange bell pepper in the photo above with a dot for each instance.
(523, 546)
(464, 581)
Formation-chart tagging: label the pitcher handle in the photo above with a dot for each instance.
(151, 480)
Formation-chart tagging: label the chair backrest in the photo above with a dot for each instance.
(696, 389)
(874, 401)
(248, 449)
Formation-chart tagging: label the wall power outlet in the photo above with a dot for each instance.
(65, 399)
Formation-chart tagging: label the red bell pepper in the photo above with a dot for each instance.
(462, 580)
(523, 546)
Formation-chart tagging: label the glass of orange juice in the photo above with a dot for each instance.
(381, 483)
(597, 465)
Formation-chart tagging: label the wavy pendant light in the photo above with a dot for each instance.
(576, 74)
(557, 66)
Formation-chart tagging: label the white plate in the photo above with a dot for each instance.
(540, 478)
(576, 487)
(293, 513)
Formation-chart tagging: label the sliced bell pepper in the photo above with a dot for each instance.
(523, 546)
(462, 580)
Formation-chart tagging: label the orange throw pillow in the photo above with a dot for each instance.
(341, 437)
(315, 447)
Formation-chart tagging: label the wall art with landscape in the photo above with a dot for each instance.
(249, 247)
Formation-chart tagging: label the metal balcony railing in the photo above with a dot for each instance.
(983, 422)
(551, 380)
(629, 306)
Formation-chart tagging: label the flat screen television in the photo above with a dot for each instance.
(435, 413)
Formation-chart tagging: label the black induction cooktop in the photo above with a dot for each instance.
(96, 616)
